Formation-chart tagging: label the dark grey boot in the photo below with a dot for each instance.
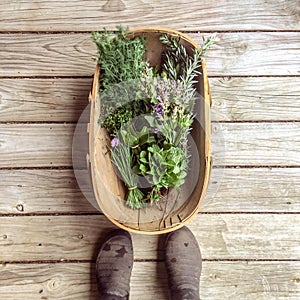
(114, 265)
(184, 264)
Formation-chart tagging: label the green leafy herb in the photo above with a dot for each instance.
(121, 103)
(178, 64)
(121, 158)
(151, 154)
(120, 58)
(122, 63)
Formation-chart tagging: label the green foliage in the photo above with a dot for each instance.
(122, 64)
(169, 92)
(162, 166)
(121, 158)
(120, 58)
(152, 156)
(154, 149)
(121, 103)
(179, 65)
(207, 43)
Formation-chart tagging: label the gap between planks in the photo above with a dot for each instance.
(87, 261)
(38, 32)
(213, 122)
(62, 214)
(91, 76)
(214, 167)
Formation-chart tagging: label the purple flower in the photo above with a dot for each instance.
(114, 142)
(159, 109)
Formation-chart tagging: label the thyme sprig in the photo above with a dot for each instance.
(119, 57)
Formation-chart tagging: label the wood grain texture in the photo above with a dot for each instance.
(247, 53)
(221, 236)
(230, 190)
(252, 54)
(250, 280)
(234, 99)
(48, 281)
(41, 191)
(40, 100)
(90, 15)
(219, 280)
(35, 145)
(269, 144)
(47, 55)
(237, 144)
(255, 98)
(254, 70)
(226, 280)
(253, 190)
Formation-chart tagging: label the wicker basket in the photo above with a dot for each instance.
(176, 209)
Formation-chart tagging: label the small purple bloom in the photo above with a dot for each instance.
(114, 142)
(159, 109)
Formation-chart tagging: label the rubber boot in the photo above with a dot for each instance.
(114, 266)
(184, 264)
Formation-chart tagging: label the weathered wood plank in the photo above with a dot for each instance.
(43, 99)
(47, 55)
(35, 145)
(247, 53)
(254, 144)
(253, 190)
(219, 280)
(226, 280)
(230, 190)
(234, 99)
(255, 98)
(41, 191)
(48, 281)
(221, 236)
(204, 15)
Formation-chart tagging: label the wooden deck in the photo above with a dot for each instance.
(249, 227)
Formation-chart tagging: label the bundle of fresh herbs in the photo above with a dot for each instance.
(148, 111)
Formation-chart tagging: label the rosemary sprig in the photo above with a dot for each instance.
(179, 65)
(207, 43)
